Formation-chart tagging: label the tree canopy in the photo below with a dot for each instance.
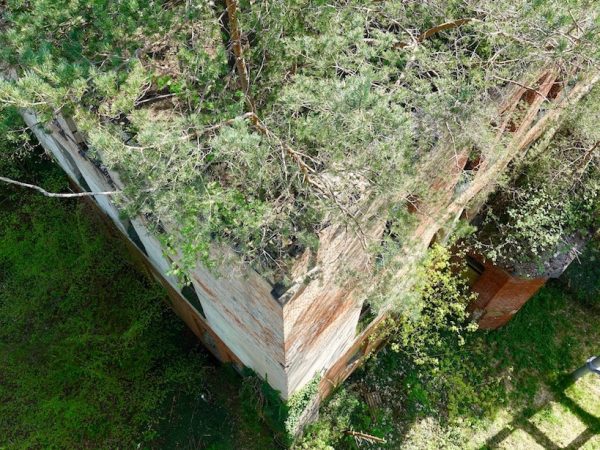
(257, 124)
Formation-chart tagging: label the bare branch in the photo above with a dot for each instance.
(365, 436)
(444, 26)
(55, 194)
(235, 35)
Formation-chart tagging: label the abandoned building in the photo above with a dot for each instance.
(307, 328)
(289, 337)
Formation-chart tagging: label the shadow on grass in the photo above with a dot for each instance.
(524, 423)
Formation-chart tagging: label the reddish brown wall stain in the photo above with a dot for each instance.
(501, 295)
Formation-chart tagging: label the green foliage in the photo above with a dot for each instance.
(262, 404)
(550, 197)
(90, 351)
(431, 346)
(298, 403)
(261, 401)
(581, 277)
(361, 100)
(424, 371)
(222, 416)
(344, 411)
(449, 386)
(443, 297)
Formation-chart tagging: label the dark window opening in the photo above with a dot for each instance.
(279, 288)
(555, 90)
(437, 237)
(355, 357)
(135, 238)
(473, 162)
(189, 293)
(475, 265)
(470, 168)
(84, 185)
(73, 166)
(474, 269)
(155, 223)
(365, 318)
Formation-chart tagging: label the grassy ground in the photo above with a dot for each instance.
(90, 356)
(503, 389)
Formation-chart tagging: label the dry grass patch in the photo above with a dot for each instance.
(586, 393)
(558, 423)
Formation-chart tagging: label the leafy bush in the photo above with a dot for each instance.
(344, 411)
(552, 196)
(428, 353)
(424, 370)
(438, 373)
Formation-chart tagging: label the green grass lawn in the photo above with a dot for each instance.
(90, 355)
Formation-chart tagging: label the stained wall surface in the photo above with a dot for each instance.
(286, 340)
(501, 295)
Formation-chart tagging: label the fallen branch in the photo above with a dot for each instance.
(55, 194)
(228, 122)
(366, 437)
(444, 26)
(434, 30)
(235, 36)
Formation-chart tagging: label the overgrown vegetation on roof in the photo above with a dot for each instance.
(339, 103)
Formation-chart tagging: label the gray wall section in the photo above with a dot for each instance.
(238, 307)
(286, 343)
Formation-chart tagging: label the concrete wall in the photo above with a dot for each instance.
(286, 340)
(501, 295)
